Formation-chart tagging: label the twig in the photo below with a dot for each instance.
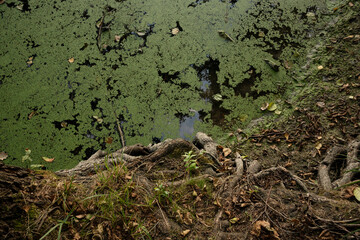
(98, 39)
(119, 130)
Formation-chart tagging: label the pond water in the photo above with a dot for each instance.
(72, 71)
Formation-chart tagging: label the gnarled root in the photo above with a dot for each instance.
(351, 161)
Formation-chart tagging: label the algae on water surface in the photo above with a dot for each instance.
(156, 83)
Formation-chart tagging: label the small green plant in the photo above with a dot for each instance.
(190, 162)
(161, 192)
(26, 158)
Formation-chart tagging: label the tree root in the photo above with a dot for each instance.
(352, 162)
(273, 170)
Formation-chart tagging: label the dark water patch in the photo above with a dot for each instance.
(89, 152)
(197, 3)
(65, 124)
(84, 46)
(77, 150)
(87, 63)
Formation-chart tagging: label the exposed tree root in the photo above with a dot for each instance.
(337, 153)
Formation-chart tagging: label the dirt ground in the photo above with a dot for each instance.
(283, 182)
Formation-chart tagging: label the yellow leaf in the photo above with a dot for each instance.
(357, 193)
(234, 220)
(71, 60)
(272, 107)
(46, 159)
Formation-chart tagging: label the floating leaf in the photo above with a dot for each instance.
(223, 34)
(3, 156)
(46, 159)
(217, 97)
(141, 34)
(264, 106)
(272, 107)
(175, 31)
(109, 140)
(357, 193)
(36, 166)
(117, 38)
(278, 112)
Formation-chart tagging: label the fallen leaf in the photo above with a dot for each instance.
(286, 135)
(234, 220)
(357, 193)
(226, 151)
(141, 34)
(217, 97)
(33, 113)
(109, 140)
(348, 37)
(264, 106)
(175, 31)
(3, 156)
(20, 7)
(77, 236)
(277, 112)
(117, 38)
(188, 219)
(318, 146)
(259, 225)
(80, 216)
(272, 107)
(63, 124)
(320, 104)
(320, 67)
(46, 159)
(26, 208)
(185, 232)
(71, 60)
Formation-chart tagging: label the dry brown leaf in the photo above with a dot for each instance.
(259, 225)
(226, 151)
(320, 104)
(26, 208)
(109, 140)
(188, 219)
(80, 216)
(185, 232)
(286, 135)
(77, 236)
(3, 156)
(71, 60)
